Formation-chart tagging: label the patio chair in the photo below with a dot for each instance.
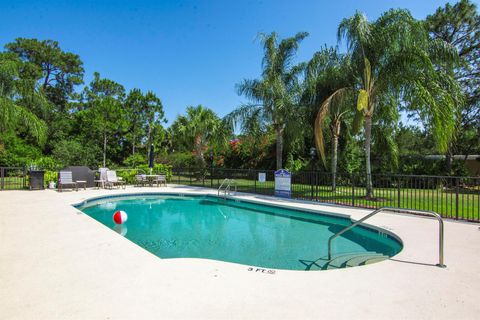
(113, 180)
(161, 178)
(65, 180)
(102, 178)
(141, 180)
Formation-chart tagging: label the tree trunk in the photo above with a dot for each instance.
(200, 157)
(104, 149)
(279, 138)
(448, 160)
(368, 140)
(335, 136)
(47, 78)
(133, 146)
(149, 135)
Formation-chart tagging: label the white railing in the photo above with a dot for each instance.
(227, 187)
(422, 212)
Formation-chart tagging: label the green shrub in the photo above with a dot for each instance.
(50, 176)
(134, 160)
(296, 165)
(47, 163)
(128, 175)
(17, 152)
(180, 159)
(158, 168)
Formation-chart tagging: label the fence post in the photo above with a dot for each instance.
(24, 177)
(457, 186)
(254, 181)
(311, 183)
(398, 193)
(353, 190)
(211, 177)
(2, 185)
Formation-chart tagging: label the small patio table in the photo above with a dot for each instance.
(82, 183)
(151, 178)
(100, 184)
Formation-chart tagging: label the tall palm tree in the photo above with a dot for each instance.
(277, 92)
(394, 57)
(199, 128)
(328, 82)
(18, 95)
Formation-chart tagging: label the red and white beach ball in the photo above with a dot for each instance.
(120, 217)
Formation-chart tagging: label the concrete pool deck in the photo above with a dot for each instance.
(58, 263)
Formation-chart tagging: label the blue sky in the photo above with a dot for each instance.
(187, 52)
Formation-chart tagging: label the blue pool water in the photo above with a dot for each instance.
(235, 231)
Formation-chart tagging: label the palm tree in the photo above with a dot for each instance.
(199, 128)
(328, 83)
(18, 95)
(393, 58)
(275, 95)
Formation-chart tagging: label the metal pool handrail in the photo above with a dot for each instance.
(229, 182)
(221, 185)
(430, 213)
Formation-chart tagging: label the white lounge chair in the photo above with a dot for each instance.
(102, 177)
(113, 180)
(65, 180)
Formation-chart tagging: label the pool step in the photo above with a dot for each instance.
(340, 261)
(348, 260)
(375, 260)
(362, 259)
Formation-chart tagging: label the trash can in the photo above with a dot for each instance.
(37, 180)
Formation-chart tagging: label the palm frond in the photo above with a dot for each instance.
(320, 119)
(242, 115)
(18, 96)
(36, 127)
(287, 49)
(252, 89)
(356, 30)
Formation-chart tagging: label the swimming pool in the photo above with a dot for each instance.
(253, 234)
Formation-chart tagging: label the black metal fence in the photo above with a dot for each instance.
(452, 197)
(13, 178)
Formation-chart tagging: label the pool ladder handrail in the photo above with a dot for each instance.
(228, 186)
(396, 210)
